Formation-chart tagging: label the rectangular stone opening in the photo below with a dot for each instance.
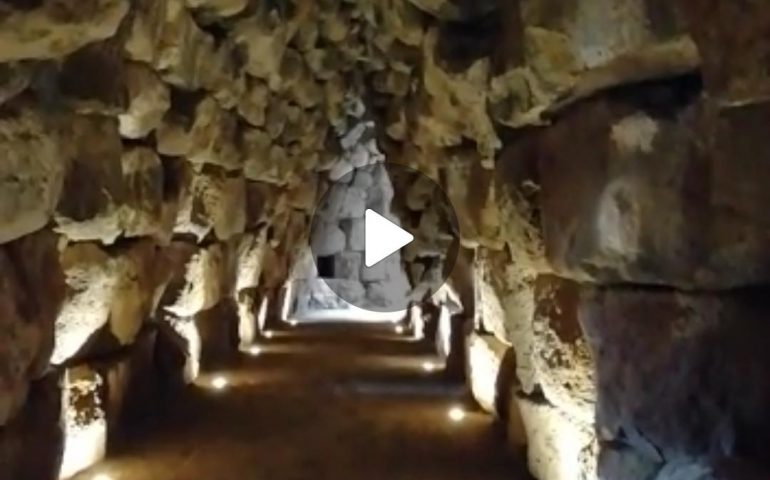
(325, 266)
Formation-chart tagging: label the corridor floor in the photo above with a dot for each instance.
(318, 404)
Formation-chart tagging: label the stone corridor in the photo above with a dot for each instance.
(321, 402)
(596, 274)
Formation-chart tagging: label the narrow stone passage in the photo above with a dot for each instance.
(318, 403)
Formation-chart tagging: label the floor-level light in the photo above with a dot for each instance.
(456, 414)
(399, 329)
(254, 350)
(429, 366)
(293, 323)
(269, 334)
(219, 383)
(103, 476)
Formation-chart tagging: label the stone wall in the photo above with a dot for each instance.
(606, 160)
(154, 180)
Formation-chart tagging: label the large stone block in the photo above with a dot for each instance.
(485, 356)
(250, 260)
(148, 102)
(90, 204)
(648, 185)
(165, 35)
(85, 420)
(218, 330)
(32, 445)
(32, 170)
(505, 306)
(264, 38)
(732, 57)
(28, 266)
(666, 367)
(558, 448)
(214, 136)
(197, 279)
(113, 288)
(53, 29)
(93, 79)
(560, 353)
(212, 203)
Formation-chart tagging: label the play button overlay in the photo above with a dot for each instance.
(382, 237)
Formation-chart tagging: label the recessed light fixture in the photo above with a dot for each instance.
(456, 414)
(429, 366)
(219, 383)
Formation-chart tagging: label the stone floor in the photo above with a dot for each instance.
(318, 404)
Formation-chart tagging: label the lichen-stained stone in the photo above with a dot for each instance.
(136, 293)
(402, 20)
(555, 57)
(22, 453)
(560, 354)
(485, 355)
(32, 172)
(213, 137)
(505, 306)
(212, 202)
(516, 185)
(455, 104)
(197, 282)
(650, 190)
(732, 57)
(470, 188)
(94, 190)
(264, 38)
(111, 292)
(253, 105)
(250, 260)
(145, 213)
(92, 278)
(84, 418)
(666, 366)
(165, 35)
(148, 102)
(558, 447)
(265, 161)
(56, 28)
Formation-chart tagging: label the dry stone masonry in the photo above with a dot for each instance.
(607, 160)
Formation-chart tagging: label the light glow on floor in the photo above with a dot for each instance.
(429, 366)
(219, 383)
(103, 476)
(399, 329)
(254, 350)
(269, 334)
(456, 414)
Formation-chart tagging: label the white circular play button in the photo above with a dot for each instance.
(382, 236)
